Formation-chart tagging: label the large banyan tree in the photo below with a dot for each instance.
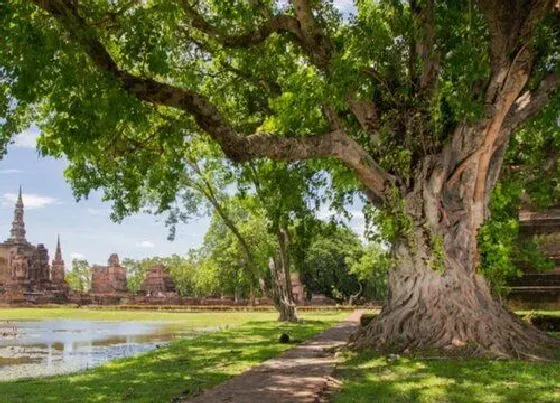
(417, 98)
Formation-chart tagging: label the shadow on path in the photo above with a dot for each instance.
(299, 375)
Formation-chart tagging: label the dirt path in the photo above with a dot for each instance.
(297, 375)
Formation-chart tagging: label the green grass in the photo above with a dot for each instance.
(368, 377)
(191, 319)
(182, 368)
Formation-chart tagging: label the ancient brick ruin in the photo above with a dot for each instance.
(110, 279)
(25, 274)
(534, 288)
(158, 282)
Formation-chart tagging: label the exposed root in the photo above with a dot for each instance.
(452, 328)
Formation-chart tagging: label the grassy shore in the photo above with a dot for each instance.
(181, 368)
(368, 377)
(187, 319)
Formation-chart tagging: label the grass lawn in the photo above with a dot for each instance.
(183, 319)
(368, 377)
(184, 367)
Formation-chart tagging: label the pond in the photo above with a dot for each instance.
(49, 347)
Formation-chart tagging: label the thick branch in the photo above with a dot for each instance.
(531, 103)
(511, 26)
(276, 24)
(334, 144)
(426, 49)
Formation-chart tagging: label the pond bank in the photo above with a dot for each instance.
(53, 347)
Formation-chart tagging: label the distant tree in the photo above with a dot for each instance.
(226, 256)
(136, 271)
(184, 271)
(285, 194)
(371, 269)
(326, 267)
(79, 277)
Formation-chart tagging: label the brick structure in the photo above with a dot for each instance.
(533, 288)
(110, 279)
(158, 282)
(24, 268)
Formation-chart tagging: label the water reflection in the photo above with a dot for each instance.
(31, 349)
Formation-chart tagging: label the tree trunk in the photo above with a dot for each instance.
(281, 283)
(252, 298)
(436, 299)
(354, 297)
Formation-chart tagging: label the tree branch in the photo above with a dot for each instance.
(531, 103)
(426, 49)
(335, 144)
(276, 24)
(301, 29)
(511, 25)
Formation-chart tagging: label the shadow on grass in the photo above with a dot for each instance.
(183, 368)
(368, 377)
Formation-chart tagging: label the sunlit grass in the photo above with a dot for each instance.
(368, 377)
(195, 319)
(182, 368)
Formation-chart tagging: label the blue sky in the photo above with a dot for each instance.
(85, 228)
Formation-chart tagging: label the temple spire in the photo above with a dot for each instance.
(18, 225)
(57, 270)
(58, 252)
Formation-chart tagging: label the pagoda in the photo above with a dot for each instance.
(24, 268)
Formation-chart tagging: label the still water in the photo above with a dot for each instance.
(49, 347)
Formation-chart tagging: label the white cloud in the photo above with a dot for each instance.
(10, 171)
(27, 138)
(145, 244)
(77, 255)
(30, 200)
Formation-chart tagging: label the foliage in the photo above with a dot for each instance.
(79, 278)
(223, 258)
(326, 267)
(504, 253)
(183, 270)
(136, 272)
(389, 223)
(371, 269)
